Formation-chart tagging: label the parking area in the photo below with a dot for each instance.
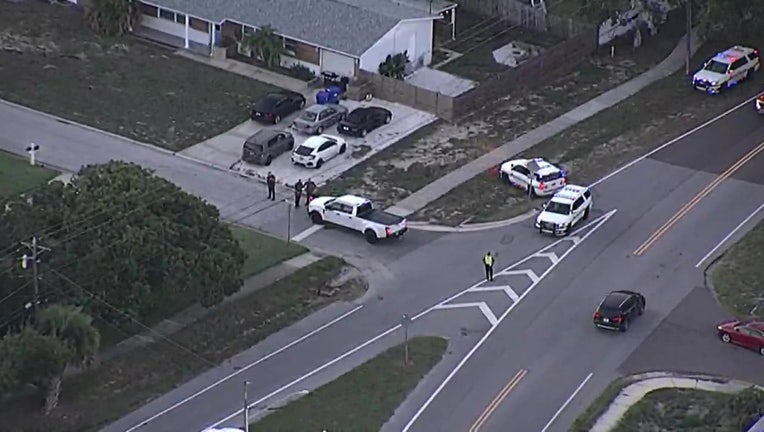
(226, 149)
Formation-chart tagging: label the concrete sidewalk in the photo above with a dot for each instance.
(445, 184)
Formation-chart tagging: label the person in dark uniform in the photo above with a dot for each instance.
(310, 191)
(298, 187)
(271, 180)
(488, 263)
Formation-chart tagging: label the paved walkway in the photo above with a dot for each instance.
(649, 382)
(445, 184)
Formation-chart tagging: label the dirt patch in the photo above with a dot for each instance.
(51, 61)
(598, 145)
(442, 147)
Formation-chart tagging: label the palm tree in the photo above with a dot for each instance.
(112, 17)
(75, 330)
(267, 45)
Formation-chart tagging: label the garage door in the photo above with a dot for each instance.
(337, 63)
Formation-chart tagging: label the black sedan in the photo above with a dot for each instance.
(272, 107)
(361, 121)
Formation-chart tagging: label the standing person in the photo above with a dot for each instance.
(271, 180)
(298, 187)
(310, 190)
(488, 263)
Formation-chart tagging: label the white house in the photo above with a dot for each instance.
(339, 36)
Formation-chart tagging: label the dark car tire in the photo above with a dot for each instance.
(277, 119)
(268, 161)
(319, 130)
(761, 351)
(319, 164)
(625, 326)
(586, 213)
(388, 119)
(343, 149)
(316, 218)
(505, 177)
(641, 310)
(370, 236)
(726, 338)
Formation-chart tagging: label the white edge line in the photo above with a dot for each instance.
(673, 141)
(568, 401)
(245, 368)
(599, 222)
(307, 233)
(352, 351)
(727, 237)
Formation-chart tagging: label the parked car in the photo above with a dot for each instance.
(264, 146)
(318, 149)
(618, 309)
(536, 176)
(272, 107)
(361, 121)
(748, 334)
(726, 69)
(316, 118)
(567, 207)
(357, 214)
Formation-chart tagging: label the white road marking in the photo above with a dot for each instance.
(307, 233)
(524, 272)
(574, 239)
(673, 141)
(551, 256)
(597, 224)
(568, 401)
(506, 288)
(245, 368)
(481, 305)
(727, 237)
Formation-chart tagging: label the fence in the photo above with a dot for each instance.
(402, 92)
(525, 15)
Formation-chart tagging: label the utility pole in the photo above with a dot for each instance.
(36, 250)
(246, 407)
(688, 55)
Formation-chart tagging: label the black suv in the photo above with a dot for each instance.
(617, 309)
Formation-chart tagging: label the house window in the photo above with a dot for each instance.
(165, 14)
(148, 10)
(180, 18)
(217, 27)
(290, 47)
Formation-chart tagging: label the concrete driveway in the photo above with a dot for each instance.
(225, 150)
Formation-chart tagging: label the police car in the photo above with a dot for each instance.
(535, 176)
(726, 69)
(564, 210)
(760, 104)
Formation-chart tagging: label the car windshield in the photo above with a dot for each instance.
(254, 147)
(355, 116)
(557, 208)
(303, 151)
(309, 115)
(716, 67)
(267, 102)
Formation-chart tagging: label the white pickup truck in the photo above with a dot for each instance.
(357, 214)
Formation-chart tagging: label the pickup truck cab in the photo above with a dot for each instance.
(357, 214)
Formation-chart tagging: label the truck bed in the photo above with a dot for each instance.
(381, 217)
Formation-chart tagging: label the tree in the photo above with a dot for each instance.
(597, 11)
(128, 238)
(112, 17)
(731, 19)
(73, 327)
(394, 66)
(267, 45)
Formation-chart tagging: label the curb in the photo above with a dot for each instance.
(466, 228)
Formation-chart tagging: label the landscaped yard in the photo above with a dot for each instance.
(738, 278)
(263, 251)
(596, 146)
(120, 385)
(440, 148)
(51, 61)
(362, 399)
(17, 176)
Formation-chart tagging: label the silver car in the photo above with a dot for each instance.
(314, 119)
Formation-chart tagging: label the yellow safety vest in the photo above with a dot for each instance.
(488, 260)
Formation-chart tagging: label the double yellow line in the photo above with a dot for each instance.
(498, 400)
(697, 198)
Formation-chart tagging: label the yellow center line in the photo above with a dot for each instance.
(498, 400)
(697, 198)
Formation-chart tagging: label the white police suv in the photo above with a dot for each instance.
(535, 176)
(726, 69)
(564, 210)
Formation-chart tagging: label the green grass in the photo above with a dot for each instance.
(588, 418)
(17, 176)
(738, 278)
(362, 399)
(53, 62)
(116, 387)
(263, 251)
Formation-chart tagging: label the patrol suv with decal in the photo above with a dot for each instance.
(567, 207)
(726, 69)
(535, 176)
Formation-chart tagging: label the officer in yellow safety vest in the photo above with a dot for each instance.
(488, 262)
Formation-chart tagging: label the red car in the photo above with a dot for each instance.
(748, 334)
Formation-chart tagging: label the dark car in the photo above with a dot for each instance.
(275, 106)
(748, 334)
(262, 147)
(361, 121)
(617, 309)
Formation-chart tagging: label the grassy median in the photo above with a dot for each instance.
(738, 278)
(362, 399)
(17, 176)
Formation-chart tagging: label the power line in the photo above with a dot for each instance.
(14, 292)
